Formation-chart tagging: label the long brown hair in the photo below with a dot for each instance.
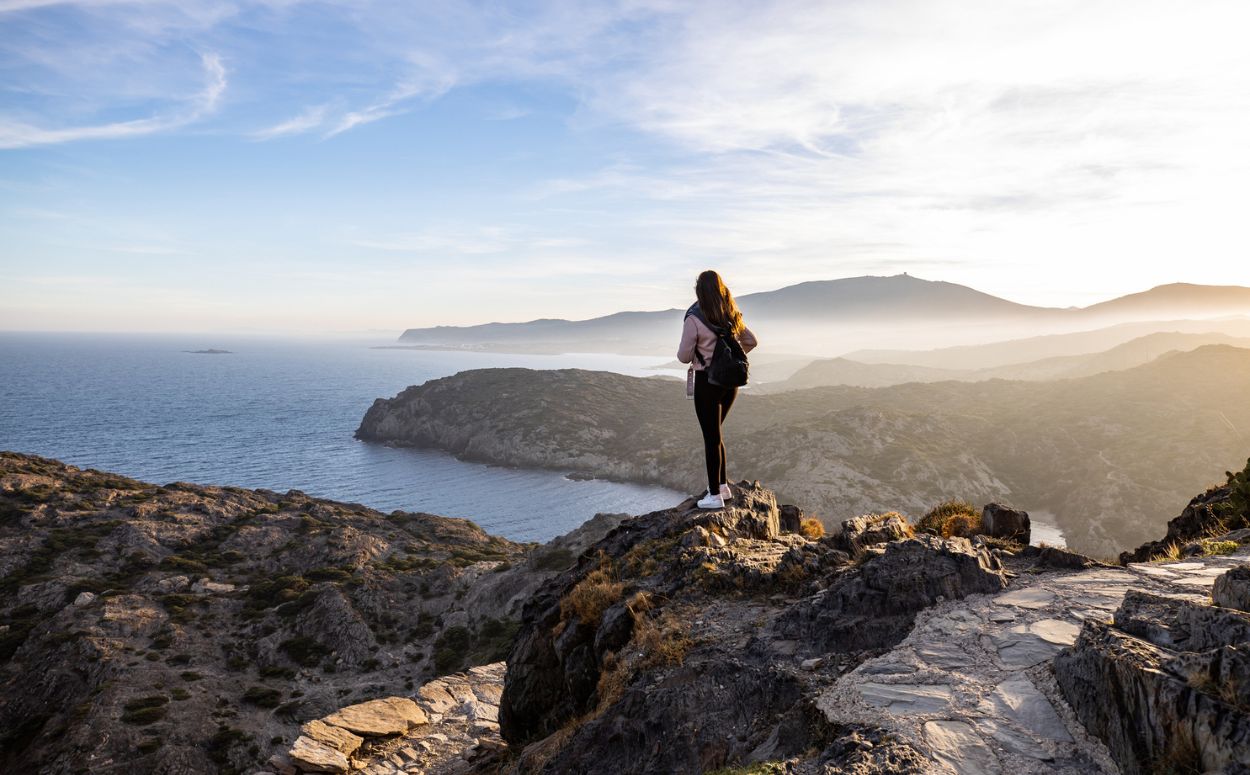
(717, 303)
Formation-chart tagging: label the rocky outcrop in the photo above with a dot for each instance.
(859, 533)
(999, 521)
(873, 606)
(684, 641)
(193, 629)
(1219, 514)
(1166, 685)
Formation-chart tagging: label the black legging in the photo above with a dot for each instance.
(711, 405)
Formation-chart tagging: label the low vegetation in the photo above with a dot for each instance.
(950, 519)
(811, 528)
(593, 595)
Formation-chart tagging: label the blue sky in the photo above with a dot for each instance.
(342, 166)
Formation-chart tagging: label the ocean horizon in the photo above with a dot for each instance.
(279, 413)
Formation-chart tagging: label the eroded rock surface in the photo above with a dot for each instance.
(184, 628)
(708, 653)
(1166, 684)
(447, 727)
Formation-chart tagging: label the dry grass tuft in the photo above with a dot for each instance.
(591, 596)
(1170, 553)
(663, 640)
(952, 518)
(811, 528)
(614, 676)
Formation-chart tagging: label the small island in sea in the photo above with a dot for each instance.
(209, 351)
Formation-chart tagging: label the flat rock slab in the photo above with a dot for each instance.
(1011, 740)
(1152, 570)
(957, 745)
(1026, 645)
(1019, 700)
(907, 698)
(389, 716)
(1055, 631)
(1195, 580)
(314, 756)
(944, 654)
(335, 737)
(1032, 597)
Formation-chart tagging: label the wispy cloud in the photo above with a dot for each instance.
(427, 80)
(309, 119)
(17, 134)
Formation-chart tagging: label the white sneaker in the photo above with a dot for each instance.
(711, 501)
(726, 494)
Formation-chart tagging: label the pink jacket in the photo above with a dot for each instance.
(695, 334)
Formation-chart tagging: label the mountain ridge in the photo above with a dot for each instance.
(867, 301)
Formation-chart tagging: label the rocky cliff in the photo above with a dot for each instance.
(188, 629)
(1106, 454)
(183, 628)
(688, 642)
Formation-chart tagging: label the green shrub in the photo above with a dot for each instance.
(271, 593)
(304, 651)
(1238, 504)
(178, 563)
(554, 560)
(145, 710)
(150, 745)
(451, 648)
(263, 697)
(222, 742)
(329, 574)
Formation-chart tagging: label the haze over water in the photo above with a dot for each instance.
(280, 414)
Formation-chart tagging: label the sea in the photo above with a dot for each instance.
(280, 414)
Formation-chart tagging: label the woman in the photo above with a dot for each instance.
(715, 307)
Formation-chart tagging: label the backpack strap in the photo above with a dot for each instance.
(718, 332)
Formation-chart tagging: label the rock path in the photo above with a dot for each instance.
(972, 685)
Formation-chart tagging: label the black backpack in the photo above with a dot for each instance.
(729, 367)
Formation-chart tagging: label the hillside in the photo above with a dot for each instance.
(184, 628)
(845, 371)
(837, 315)
(1106, 453)
(1038, 349)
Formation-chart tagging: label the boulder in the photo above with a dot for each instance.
(389, 716)
(1054, 557)
(1005, 522)
(791, 518)
(1232, 589)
